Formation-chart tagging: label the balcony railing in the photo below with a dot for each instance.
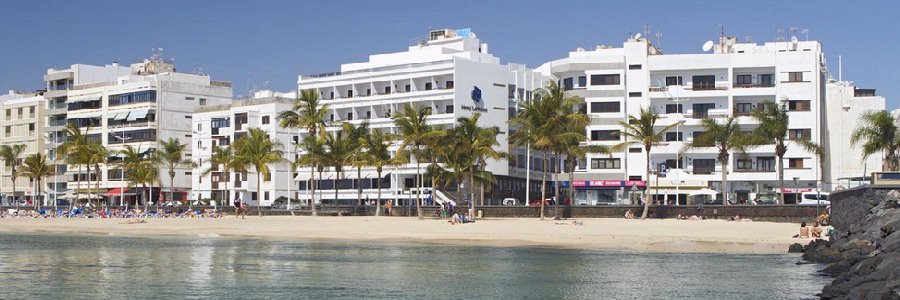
(704, 115)
(707, 87)
(658, 88)
(754, 85)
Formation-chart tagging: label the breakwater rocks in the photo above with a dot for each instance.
(864, 252)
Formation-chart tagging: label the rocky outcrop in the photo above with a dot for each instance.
(864, 252)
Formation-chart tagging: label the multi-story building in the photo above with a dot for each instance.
(844, 105)
(450, 71)
(21, 119)
(221, 125)
(733, 80)
(141, 105)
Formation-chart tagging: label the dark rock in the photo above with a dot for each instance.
(795, 248)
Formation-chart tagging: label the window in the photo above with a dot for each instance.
(189, 98)
(674, 109)
(795, 76)
(609, 79)
(765, 163)
(8, 130)
(349, 93)
(368, 92)
(635, 150)
(449, 84)
(128, 98)
(368, 114)
(697, 135)
(331, 118)
(766, 79)
(605, 107)
(265, 120)
(30, 126)
(604, 135)
(863, 92)
(330, 95)
(21, 115)
(387, 90)
(568, 84)
(743, 80)
(743, 109)
(673, 80)
(349, 116)
(8, 113)
(671, 164)
(798, 105)
(407, 88)
(428, 86)
(634, 94)
(703, 82)
(701, 110)
(606, 163)
(634, 67)
(449, 109)
(202, 101)
(795, 163)
(744, 164)
(674, 137)
(799, 134)
(704, 166)
(582, 81)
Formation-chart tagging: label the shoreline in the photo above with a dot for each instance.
(653, 235)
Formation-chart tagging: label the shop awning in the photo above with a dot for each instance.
(120, 191)
(138, 114)
(83, 99)
(86, 115)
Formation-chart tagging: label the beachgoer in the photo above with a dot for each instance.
(388, 205)
(735, 218)
(816, 230)
(629, 214)
(455, 219)
(804, 231)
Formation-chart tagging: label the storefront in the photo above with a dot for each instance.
(606, 192)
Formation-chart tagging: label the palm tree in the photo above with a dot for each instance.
(37, 168)
(10, 154)
(144, 173)
(339, 147)
(73, 149)
(170, 155)
(877, 132)
(308, 112)
(314, 158)
(357, 136)
(94, 155)
(773, 129)
(641, 130)
(576, 152)
(819, 151)
(378, 155)
(257, 150)
(475, 146)
(131, 157)
(414, 135)
(726, 137)
(222, 160)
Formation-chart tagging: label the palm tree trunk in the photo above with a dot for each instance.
(571, 164)
(724, 181)
(171, 185)
(259, 193)
(312, 189)
(77, 192)
(378, 199)
(13, 178)
(646, 185)
(88, 183)
(543, 184)
(780, 167)
(358, 185)
(557, 200)
(144, 194)
(419, 194)
(337, 178)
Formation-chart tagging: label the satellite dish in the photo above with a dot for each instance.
(794, 39)
(637, 36)
(707, 46)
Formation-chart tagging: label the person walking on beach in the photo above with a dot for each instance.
(388, 205)
(238, 207)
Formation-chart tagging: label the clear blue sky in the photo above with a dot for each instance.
(274, 41)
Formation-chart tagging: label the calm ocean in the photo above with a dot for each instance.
(80, 267)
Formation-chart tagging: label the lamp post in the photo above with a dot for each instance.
(796, 189)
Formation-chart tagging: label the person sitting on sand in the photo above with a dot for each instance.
(823, 218)
(629, 214)
(696, 218)
(735, 218)
(455, 219)
(804, 231)
(816, 230)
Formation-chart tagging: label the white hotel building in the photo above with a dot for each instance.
(141, 105)
(450, 71)
(733, 80)
(221, 125)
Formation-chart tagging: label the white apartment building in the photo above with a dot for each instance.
(221, 125)
(733, 79)
(450, 71)
(21, 121)
(141, 105)
(845, 104)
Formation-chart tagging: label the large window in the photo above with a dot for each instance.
(765, 163)
(674, 137)
(606, 163)
(795, 163)
(798, 105)
(674, 109)
(799, 134)
(582, 81)
(136, 97)
(743, 109)
(703, 82)
(604, 135)
(704, 166)
(674, 164)
(568, 84)
(608, 79)
(673, 80)
(795, 76)
(743, 164)
(605, 107)
(743, 80)
(766, 79)
(143, 135)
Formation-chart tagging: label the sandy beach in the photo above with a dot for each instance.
(669, 235)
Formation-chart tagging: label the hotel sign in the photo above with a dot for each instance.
(607, 183)
(476, 94)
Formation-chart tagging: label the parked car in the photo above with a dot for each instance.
(510, 202)
(766, 199)
(813, 198)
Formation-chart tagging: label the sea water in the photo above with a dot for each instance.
(102, 267)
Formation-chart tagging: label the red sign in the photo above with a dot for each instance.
(609, 183)
(796, 190)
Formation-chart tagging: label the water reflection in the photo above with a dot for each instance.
(50, 267)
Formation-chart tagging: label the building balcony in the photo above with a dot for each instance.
(753, 85)
(706, 87)
(754, 170)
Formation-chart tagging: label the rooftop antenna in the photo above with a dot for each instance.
(806, 32)
(157, 54)
(658, 36)
(749, 39)
(779, 35)
(793, 30)
(647, 30)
